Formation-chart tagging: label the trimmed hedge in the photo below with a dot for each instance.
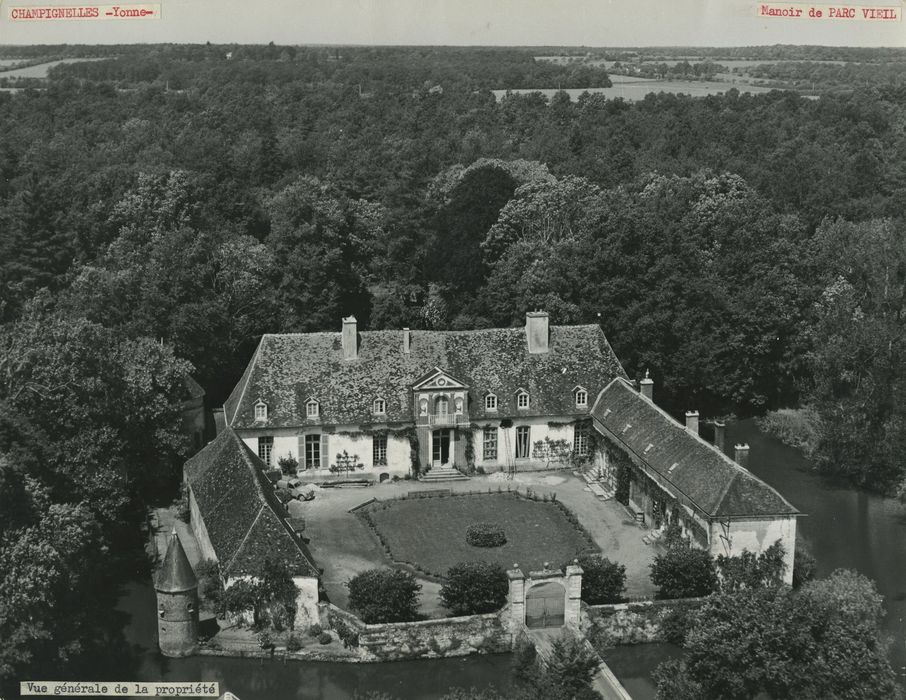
(485, 535)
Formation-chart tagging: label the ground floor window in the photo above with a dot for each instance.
(265, 448)
(580, 440)
(379, 450)
(522, 442)
(312, 451)
(490, 444)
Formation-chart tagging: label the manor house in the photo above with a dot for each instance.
(376, 404)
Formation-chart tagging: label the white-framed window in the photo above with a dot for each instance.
(581, 439)
(581, 398)
(489, 443)
(260, 410)
(379, 450)
(522, 399)
(522, 442)
(490, 402)
(379, 407)
(312, 409)
(313, 451)
(266, 448)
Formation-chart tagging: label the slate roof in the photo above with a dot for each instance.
(287, 370)
(240, 510)
(175, 575)
(191, 388)
(706, 476)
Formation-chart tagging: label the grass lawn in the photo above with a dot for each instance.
(430, 533)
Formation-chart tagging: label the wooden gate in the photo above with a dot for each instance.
(544, 605)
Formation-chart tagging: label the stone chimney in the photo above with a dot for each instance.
(646, 386)
(741, 453)
(407, 341)
(350, 339)
(536, 332)
(720, 435)
(692, 421)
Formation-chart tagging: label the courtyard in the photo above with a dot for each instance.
(343, 545)
(429, 533)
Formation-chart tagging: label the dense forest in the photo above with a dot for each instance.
(163, 207)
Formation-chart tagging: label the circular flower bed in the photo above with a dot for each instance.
(485, 535)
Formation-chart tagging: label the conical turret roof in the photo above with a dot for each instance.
(176, 573)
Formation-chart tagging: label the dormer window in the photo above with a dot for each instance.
(379, 407)
(312, 409)
(522, 399)
(260, 411)
(581, 397)
(490, 402)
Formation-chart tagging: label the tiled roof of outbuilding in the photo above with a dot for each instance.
(706, 476)
(240, 510)
(287, 370)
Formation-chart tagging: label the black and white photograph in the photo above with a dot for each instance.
(453, 350)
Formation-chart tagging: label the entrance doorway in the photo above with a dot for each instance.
(440, 447)
(545, 605)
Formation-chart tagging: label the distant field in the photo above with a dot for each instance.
(633, 89)
(40, 70)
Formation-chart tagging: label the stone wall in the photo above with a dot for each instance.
(426, 639)
(634, 623)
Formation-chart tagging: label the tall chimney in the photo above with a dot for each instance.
(741, 453)
(720, 435)
(536, 332)
(646, 386)
(350, 339)
(692, 421)
(407, 340)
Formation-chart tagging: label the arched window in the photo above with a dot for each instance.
(312, 409)
(260, 410)
(423, 407)
(522, 399)
(442, 406)
(380, 406)
(458, 405)
(490, 402)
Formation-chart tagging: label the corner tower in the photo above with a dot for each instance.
(177, 602)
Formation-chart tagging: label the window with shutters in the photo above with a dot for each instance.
(313, 451)
(490, 444)
(522, 442)
(265, 448)
(379, 450)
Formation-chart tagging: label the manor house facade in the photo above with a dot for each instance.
(390, 403)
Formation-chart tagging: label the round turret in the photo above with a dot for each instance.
(177, 602)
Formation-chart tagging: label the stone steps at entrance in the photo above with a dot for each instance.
(443, 473)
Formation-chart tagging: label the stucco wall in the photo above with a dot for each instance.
(755, 535)
(539, 430)
(286, 442)
(307, 612)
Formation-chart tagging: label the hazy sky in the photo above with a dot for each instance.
(460, 22)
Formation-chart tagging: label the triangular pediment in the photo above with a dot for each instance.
(438, 379)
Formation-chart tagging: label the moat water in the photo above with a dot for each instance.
(845, 528)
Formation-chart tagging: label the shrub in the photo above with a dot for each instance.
(210, 583)
(524, 657)
(684, 573)
(603, 581)
(315, 630)
(293, 643)
(747, 570)
(288, 464)
(474, 588)
(673, 536)
(485, 535)
(240, 598)
(675, 624)
(183, 512)
(265, 640)
(325, 638)
(347, 634)
(384, 595)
